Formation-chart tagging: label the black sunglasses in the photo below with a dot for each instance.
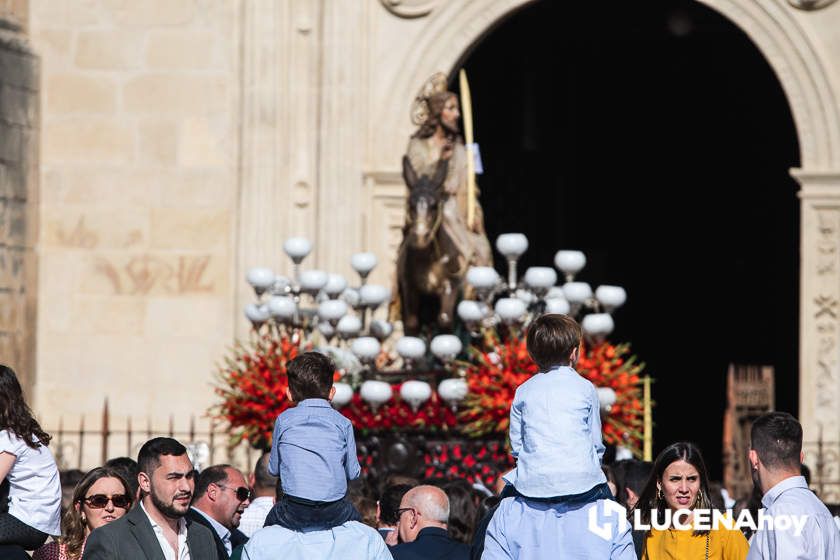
(242, 493)
(99, 501)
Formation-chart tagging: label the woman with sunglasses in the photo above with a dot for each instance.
(34, 511)
(676, 504)
(100, 497)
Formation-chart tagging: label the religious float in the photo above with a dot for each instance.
(427, 374)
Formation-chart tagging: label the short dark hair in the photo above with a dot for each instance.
(211, 475)
(777, 438)
(148, 459)
(551, 339)
(389, 502)
(129, 468)
(310, 376)
(262, 478)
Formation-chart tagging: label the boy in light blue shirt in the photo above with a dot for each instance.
(313, 451)
(555, 422)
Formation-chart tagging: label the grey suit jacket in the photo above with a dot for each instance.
(132, 538)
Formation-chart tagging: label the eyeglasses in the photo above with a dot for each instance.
(242, 493)
(99, 501)
(403, 510)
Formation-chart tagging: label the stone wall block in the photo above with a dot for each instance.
(199, 188)
(179, 94)
(17, 105)
(83, 228)
(98, 141)
(11, 312)
(80, 93)
(18, 69)
(203, 143)
(14, 177)
(109, 315)
(153, 274)
(99, 188)
(152, 12)
(11, 144)
(14, 230)
(109, 50)
(193, 228)
(158, 142)
(181, 50)
(61, 13)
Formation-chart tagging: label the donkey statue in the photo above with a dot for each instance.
(430, 267)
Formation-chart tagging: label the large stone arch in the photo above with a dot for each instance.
(784, 36)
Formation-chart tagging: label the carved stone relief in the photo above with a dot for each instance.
(410, 8)
(810, 5)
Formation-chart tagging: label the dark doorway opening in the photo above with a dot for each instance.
(656, 138)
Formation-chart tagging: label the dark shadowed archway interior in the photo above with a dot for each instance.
(656, 138)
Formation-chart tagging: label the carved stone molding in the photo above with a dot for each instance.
(810, 5)
(410, 8)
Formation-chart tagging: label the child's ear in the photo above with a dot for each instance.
(289, 394)
(332, 393)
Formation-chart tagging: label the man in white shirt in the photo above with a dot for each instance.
(158, 526)
(221, 496)
(265, 492)
(809, 532)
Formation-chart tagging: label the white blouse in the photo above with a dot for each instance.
(34, 486)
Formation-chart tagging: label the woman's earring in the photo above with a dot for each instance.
(84, 518)
(659, 494)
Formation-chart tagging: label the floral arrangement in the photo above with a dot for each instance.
(252, 385)
(501, 364)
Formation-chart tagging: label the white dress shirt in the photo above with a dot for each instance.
(819, 539)
(168, 553)
(253, 519)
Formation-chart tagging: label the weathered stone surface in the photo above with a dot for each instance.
(182, 50)
(151, 12)
(158, 142)
(11, 145)
(108, 315)
(17, 105)
(18, 69)
(82, 228)
(109, 50)
(202, 142)
(80, 93)
(197, 228)
(154, 274)
(181, 94)
(95, 141)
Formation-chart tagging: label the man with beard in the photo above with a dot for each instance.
(221, 496)
(157, 529)
(808, 532)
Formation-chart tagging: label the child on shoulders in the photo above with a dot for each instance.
(313, 451)
(555, 422)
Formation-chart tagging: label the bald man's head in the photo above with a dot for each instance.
(421, 507)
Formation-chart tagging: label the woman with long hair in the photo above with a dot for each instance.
(26, 462)
(100, 497)
(677, 490)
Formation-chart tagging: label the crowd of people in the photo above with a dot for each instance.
(304, 498)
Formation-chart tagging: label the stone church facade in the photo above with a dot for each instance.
(151, 152)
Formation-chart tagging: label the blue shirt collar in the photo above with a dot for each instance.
(786, 484)
(318, 403)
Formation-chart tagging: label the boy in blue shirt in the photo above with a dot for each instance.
(312, 451)
(555, 422)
